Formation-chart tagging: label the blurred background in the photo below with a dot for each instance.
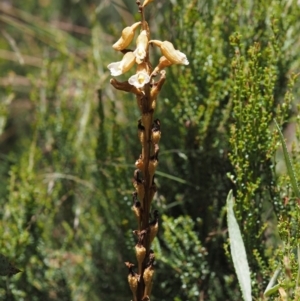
(69, 141)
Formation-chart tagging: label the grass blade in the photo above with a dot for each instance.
(272, 287)
(238, 252)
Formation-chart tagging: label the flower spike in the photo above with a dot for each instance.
(146, 85)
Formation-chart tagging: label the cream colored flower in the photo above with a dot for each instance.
(141, 49)
(123, 66)
(171, 54)
(127, 36)
(139, 79)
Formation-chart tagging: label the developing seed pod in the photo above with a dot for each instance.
(126, 37)
(152, 165)
(148, 275)
(137, 208)
(139, 163)
(141, 131)
(156, 133)
(140, 189)
(140, 252)
(138, 184)
(133, 279)
(137, 176)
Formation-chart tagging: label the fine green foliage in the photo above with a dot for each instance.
(226, 103)
(289, 231)
(183, 252)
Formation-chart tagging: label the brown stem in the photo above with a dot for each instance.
(147, 119)
(145, 105)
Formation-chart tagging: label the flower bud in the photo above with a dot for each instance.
(127, 36)
(123, 66)
(141, 47)
(171, 54)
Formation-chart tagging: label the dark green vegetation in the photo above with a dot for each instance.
(69, 143)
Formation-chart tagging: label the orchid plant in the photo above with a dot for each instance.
(145, 84)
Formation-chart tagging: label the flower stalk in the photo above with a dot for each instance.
(145, 84)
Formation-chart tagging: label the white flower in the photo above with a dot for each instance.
(139, 79)
(123, 66)
(115, 68)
